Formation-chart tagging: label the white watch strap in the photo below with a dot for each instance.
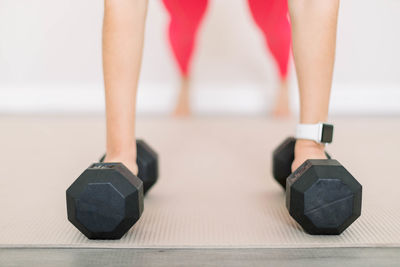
(309, 132)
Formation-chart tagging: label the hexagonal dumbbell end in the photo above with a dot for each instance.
(323, 197)
(105, 201)
(147, 161)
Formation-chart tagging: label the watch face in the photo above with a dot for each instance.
(327, 133)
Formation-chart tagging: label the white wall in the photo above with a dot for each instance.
(50, 59)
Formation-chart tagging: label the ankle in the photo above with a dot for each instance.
(130, 163)
(308, 144)
(121, 151)
(121, 155)
(307, 149)
(127, 157)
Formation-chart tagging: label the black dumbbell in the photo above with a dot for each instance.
(106, 200)
(321, 195)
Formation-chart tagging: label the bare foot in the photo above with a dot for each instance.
(307, 149)
(128, 159)
(281, 108)
(182, 108)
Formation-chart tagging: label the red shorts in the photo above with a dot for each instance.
(271, 16)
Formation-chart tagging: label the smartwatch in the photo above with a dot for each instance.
(319, 132)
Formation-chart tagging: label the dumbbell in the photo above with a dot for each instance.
(321, 195)
(106, 200)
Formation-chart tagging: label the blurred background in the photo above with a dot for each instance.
(50, 60)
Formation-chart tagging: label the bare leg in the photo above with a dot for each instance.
(281, 108)
(314, 24)
(123, 30)
(185, 19)
(271, 16)
(182, 108)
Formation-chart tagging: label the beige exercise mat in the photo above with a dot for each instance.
(215, 188)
